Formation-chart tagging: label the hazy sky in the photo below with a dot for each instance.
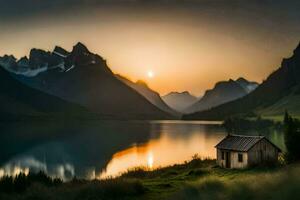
(188, 44)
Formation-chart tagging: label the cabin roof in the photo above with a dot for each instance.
(241, 142)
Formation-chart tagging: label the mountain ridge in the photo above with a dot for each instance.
(179, 100)
(84, 78)
(278, 85)
(151, 95)
(223, 92)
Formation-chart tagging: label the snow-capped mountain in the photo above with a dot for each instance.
(82, 77)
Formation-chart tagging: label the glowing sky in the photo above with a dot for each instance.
(186, 44)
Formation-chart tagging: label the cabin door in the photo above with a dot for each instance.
(227, 159)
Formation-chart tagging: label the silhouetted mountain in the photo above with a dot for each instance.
(152, 96)
(18, 101)
(247, 85)
(84, 78)
(280, 90)
(179, 100)
(223, 92)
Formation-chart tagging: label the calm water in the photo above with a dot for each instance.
(101, 149)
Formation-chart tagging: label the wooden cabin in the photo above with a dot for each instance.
(240, 151)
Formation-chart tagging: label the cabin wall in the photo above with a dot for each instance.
(220, 161)
(263, 152)
(234, 162)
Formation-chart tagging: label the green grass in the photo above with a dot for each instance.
(163, 182)
(76, 189)
(196, 179)
(261, 184)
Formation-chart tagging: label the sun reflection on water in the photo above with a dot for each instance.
(150, 160)
(166, 143)
(163, 151)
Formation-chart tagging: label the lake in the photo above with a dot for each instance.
(101, 149)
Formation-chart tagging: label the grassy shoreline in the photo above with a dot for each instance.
(195, 179)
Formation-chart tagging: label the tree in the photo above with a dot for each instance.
(291, 137)
(229, 125)
(286, 117)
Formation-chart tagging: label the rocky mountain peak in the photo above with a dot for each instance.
(80, 48)
(36, 53)
(242, 80)
(24, 61)
(225, 84)
(59, 58)
(247, 85)
(8, 57)
(60, 51)
(38, 57)
(8, 62)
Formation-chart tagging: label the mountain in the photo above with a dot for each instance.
(84, 78)
(18, 101)
(179, 100)
(223, 92)
(280, 91)
(248, 86)
(152, 96)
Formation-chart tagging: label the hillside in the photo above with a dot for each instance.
(84, 78)
(290, 102)
(18, 101)
(281, 85)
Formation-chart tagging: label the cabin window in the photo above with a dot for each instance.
(240, 157)
(223, 155)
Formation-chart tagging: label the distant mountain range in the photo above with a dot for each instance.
(179, 100)
(223, 92)
(83, 78)
(280, 91)
(151, 95)
(79, 83)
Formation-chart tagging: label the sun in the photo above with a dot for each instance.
(150, 74)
